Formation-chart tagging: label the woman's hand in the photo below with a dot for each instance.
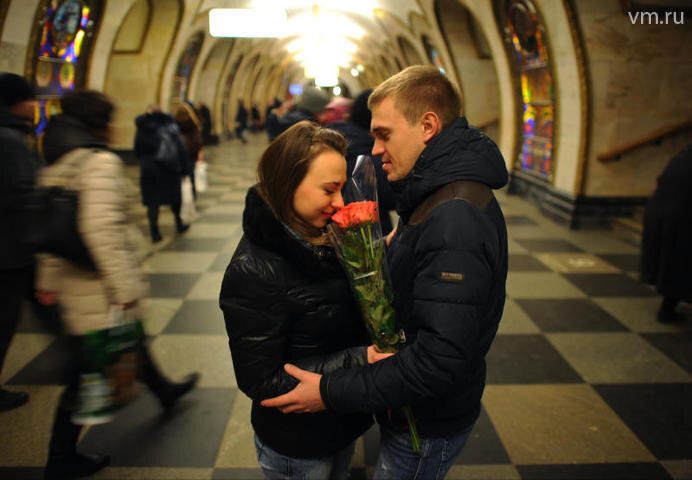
(374, 354)
(47, 298)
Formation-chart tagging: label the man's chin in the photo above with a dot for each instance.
(393, 177)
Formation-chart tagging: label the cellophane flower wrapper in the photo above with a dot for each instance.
(356, 234)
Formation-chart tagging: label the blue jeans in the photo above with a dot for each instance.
(276, 466)
(398, 461)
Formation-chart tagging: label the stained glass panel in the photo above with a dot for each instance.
(526, 36)
(64, 30)
(434, 55)
(184, 69)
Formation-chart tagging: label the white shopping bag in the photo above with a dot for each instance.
(187, 207)
(201, 183)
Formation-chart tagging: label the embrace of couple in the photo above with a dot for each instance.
(298, 343)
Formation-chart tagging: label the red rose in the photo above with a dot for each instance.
(341, 218)
(356, 213)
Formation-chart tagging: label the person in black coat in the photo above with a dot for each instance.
(241, 121)
(208, 137)
(285, 298)
(667, 236)
(310, 103)
(17, 177)
(164, 161)
(448, 262)
(360, 142)
(256, 123)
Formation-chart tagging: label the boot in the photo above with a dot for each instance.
(166, 391)
(63, 460)
(11, 400)
(667, 313)
(75, 466)
(153, 217)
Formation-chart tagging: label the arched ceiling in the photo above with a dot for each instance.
(346, 16)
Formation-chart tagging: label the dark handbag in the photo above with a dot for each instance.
(51, 215)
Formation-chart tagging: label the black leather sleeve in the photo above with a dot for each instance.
(258, 323)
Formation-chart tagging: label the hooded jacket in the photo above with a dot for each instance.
(448, 275)
(17, 175)
(77, 161)
(159, 178)
(286, 300)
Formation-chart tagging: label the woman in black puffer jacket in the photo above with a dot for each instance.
(286, 299)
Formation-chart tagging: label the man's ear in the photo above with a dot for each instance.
(431, 125)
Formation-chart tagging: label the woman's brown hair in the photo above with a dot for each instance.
(284, 165)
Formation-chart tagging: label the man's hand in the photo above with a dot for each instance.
(305, 398)
(375, 355)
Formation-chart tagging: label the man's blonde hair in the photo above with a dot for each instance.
(418, 89)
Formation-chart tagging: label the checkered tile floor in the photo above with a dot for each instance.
(582, 381)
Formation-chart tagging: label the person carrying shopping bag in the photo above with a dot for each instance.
(75, 147)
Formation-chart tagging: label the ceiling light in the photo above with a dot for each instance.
(247, 22)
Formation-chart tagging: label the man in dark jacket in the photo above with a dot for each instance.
(448, 261)
(17, 176)
(311, 102)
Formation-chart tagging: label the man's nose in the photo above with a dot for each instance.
(378, 147)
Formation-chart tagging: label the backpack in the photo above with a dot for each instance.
(171, 152)
(51, 225)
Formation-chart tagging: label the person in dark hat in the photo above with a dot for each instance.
(17, 176)
(311, 102)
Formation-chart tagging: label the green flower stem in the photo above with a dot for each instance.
(372, 252)
(415, 441)
(365, 242)
(368, 289)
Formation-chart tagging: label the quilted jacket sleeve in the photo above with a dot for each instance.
(453, 276)
(258, 324)
(103, 224)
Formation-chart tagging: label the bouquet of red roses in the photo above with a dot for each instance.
(357, 238)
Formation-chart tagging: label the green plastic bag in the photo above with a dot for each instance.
(108, 369)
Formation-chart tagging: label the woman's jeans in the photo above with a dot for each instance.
(398, 461)
(276, 466)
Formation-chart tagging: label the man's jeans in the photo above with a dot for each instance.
(398, 461)
(276, 466)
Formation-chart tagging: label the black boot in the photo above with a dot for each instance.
(180, 227)
(166, 391)
(63, 460)
(667, 313)
(153, 216)
(11, 400)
